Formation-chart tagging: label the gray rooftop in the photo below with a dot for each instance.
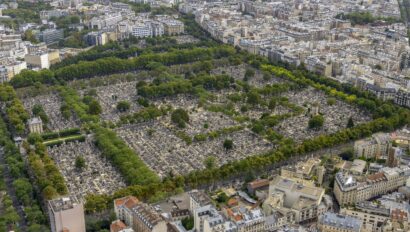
(341, 221)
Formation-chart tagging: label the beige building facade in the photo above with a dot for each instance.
(66, 214)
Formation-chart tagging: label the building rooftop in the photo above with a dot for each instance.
(63, 203)
(345, 181)
(342, 222)
(34, 120)
(296, 195)
(117, 226)
(258, 183)
(128, 201)
(147, 214)
(200, 197)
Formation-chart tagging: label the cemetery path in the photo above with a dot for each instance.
(11, 192)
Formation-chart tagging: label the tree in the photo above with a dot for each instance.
(37, 228)
(143, 101)
(253, 97)
(34, 138)
(123, 106)
(257, 127)
(347, 154)
(222, 198)
(228, 144)
(34, 214)
(267, 76)
(331, 101)
(29, 36)
(49, 192)
(350, 123)
(210, 162)
(250, 72)
(94, 107)
(24, 190)
(188, 223)
(80, 162)
(180, 117)
(316, 122)
(272, 104)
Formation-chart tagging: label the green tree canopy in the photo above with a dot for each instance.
(180, 117)
(123, 106)
(316, 122)
(210, 162)
(80, 162)
(228, 144)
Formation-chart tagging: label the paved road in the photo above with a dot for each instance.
(11, 192)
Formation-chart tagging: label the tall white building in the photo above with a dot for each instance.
(142, 30)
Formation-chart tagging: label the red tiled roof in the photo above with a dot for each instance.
(398, 214)
(117, 226)
(259, 183)
(129, 201)
(376, 177)
(232, 202)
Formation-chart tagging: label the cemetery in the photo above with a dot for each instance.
(52, 106)
(93, 175)
(225, 114)
(336, 115)
(162, 150)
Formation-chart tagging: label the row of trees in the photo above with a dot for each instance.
(184, 86)
(9, 217)
(128, 163)
(86, 109)
(123, 51)
(363, 18)
(61, 133)
(143, 115)
(47, 176)
(24, 189)
(104, 66)
(14, 109)
(217, 133)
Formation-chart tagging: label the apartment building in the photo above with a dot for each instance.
(9, 69)
(38, 59)
(142, 30)
(348, 190)
(66, 214)
(105, 21)
(306, 170)
(146, 219)
(246, 220)
(123, 208)
(173, 27)
(50, 36)
(208, 219)
(372, 215)
(300, 202)
(198, 199)
(140, 216)
(402, 98)
(96, 38)
(331, 222)
(377, 146)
